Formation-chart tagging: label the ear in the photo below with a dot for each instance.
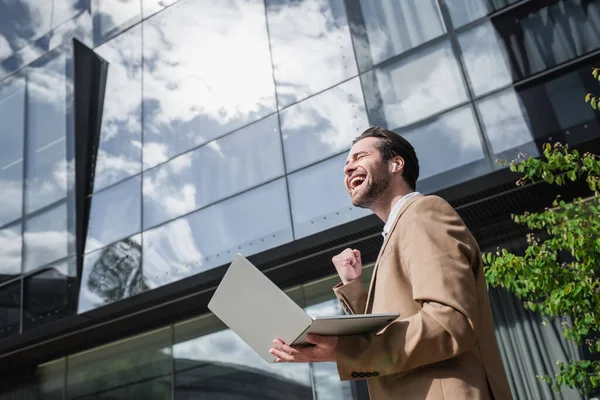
(397, 164)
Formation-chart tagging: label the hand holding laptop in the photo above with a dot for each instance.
(323, 349)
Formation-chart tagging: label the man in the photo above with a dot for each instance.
(430, 271)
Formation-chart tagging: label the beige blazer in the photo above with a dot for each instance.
(443, 344)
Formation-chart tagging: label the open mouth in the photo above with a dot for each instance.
(357, 181)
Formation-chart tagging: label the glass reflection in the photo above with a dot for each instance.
(50, 295)
(112, 274)
(465, 11)
(252, 222)
(120, 151)
(219, 169)
(11, 244)
(10, 309)
(320, 199)
(445, 143)
(507, 125)
(415, 87)
(393, 27)
(115, 214)
(114, 16)
(49, 236)
(485, 58)
(150, 7)
(197, 90)
(136, 368)
(308, 36)
(323, 125)
(22, 21)
(12, 130)
(221, 365)
(65, 10)
(49, 382)
(49, 101)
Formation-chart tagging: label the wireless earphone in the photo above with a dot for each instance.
(394, 166)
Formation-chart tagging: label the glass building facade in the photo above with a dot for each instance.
(225, 126)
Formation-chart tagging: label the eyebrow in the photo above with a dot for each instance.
(360, 153)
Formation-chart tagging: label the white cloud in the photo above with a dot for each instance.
(10, 253)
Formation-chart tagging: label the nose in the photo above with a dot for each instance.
(349, 169)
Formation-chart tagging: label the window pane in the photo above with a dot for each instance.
(136, 368)
(393, 26)
(150, 7)
(115, 214)
(308, 36)
(465, 11)
(196, 90)
(49, 236)
(444, 144)
(12, 130)
(221, 365)
(22, 21)
(320, 199)
(323, 125)
(49, 93)
(50, 295)
(11, 244)
(114, 16)
(414, 88)
(485, 58)
(120, 150)
(112, 274)
(65, 10)
(217, 170)
(507, 125)
(250, 223)
(10, 309)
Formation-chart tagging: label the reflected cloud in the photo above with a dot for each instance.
(217, 170)
(419, 86)
(189, 98)
(11, 194)
(112, 16)
(249, 223)
(119, 153)
(21, 22)
(323, 125)
(10, 251)
(309, 36)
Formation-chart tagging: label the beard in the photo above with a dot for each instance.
(374, 191)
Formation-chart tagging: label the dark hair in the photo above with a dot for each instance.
(391, 145)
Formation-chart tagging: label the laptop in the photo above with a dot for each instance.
(258, 311)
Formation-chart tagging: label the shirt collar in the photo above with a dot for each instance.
(395, 211)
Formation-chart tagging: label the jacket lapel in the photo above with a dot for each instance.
(369, 305)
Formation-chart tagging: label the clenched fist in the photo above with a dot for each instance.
(348, 265)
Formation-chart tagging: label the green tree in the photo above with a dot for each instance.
(559, 273)
(591, 98)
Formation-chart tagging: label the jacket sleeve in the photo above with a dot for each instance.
(352, 296)
(436, 249)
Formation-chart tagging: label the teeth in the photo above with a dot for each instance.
(356, 181)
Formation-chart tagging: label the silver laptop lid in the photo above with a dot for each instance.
(256, 309)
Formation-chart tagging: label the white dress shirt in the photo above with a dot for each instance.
(395, 211)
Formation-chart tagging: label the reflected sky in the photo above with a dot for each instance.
(47, 237)
(115, 214)
(320, 199)
(249, 223)
(49, 100)
(113, 16)
(150, 7)
(217, 170)
(417, 86)
(10, 251)
(447, 142)
(393, 27)
(323, 125)
(485, 58)
(22, 21)
(120, 150)
(12, 130)
(207, 71)
(308, 36)
(506, 122)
